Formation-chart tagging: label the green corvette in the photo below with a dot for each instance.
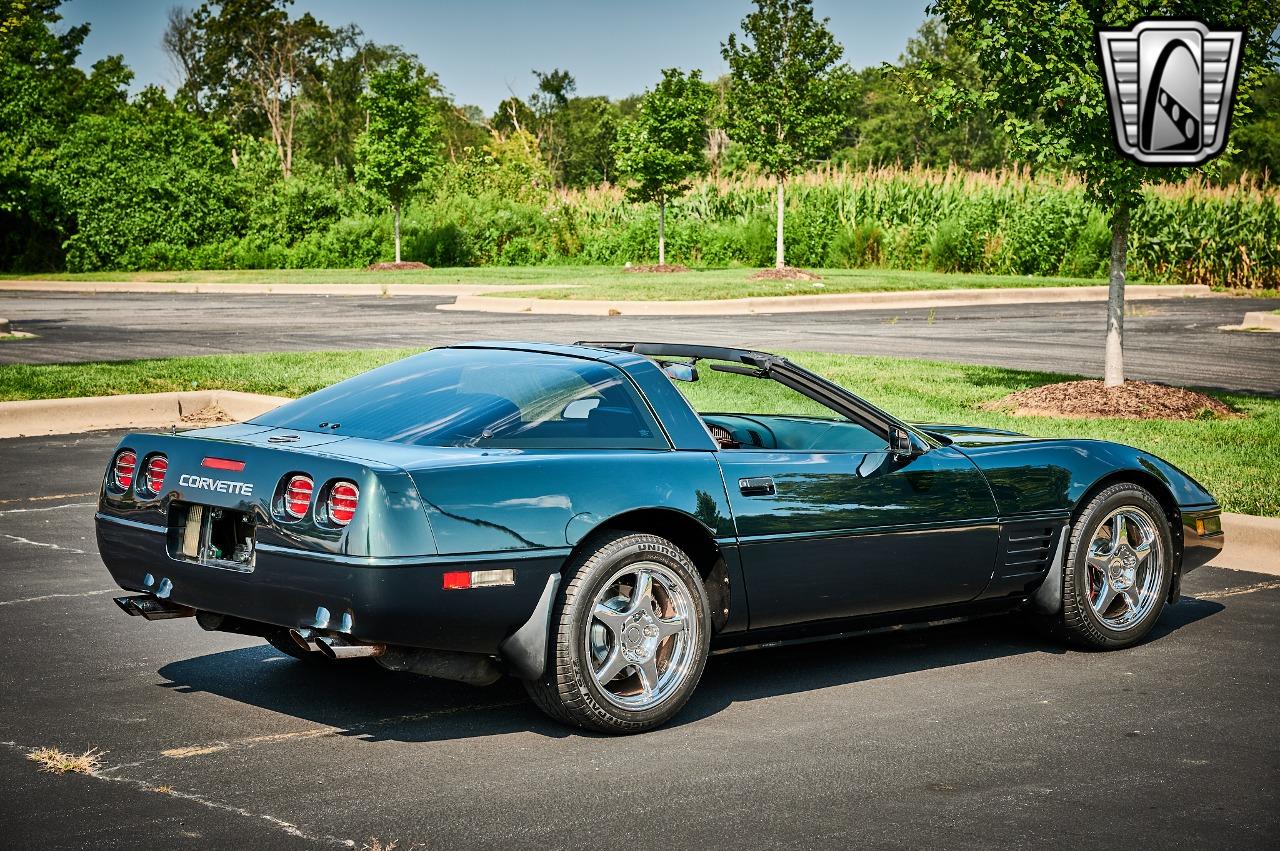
(563, 515)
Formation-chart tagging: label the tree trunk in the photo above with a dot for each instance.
(397, 208)
(1113, 371)
(662, 231)
(778, 260)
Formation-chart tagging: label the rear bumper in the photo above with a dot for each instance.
(1202, 536)
(390, 601)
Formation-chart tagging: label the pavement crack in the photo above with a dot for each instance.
(12, 500)
(47, 508)
(21, 540)
(44, 597)
(111, 775)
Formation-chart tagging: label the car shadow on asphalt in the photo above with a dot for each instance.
(361, 700)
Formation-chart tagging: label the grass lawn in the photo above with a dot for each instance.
(598, 282)
(1237, 459)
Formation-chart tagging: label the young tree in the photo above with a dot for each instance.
(788, 90)
(1041, 76)
(663, 146)
(401, 145)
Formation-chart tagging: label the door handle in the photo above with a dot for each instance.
(756, 486)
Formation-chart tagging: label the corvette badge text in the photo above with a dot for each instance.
(1170, 85)
(217, 485)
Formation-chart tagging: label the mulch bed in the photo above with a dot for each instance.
(663, 268)
(786, 273)
(1134, 400)
(391, 267)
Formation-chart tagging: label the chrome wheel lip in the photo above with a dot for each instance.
(625, 643)
(1124, 568)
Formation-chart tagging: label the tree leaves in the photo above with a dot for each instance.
(788, 99)
(402, 143)
(664, 146)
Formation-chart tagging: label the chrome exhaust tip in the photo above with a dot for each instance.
(151, 608)
(304, 638)
(337, 647)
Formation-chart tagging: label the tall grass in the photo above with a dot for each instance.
(1000, 222)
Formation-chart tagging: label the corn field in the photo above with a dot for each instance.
(992, 222)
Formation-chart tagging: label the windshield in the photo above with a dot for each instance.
(481, 397)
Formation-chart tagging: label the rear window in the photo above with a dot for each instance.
(481, 397)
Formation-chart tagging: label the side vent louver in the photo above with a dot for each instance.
(1025, 548)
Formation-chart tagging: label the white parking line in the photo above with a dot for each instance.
(316, 732)
(1235, 592)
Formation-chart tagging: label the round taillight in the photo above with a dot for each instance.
(153, 478)
(297, 496)
(343, 499)
(123, 469)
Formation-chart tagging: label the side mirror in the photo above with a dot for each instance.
(901, 443)
(680, 371)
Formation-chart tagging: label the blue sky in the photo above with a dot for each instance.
(483, 49)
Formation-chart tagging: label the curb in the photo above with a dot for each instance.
(137, 410)
(1256, 320)
(110, 287)
(1252, 544)
(817, 303)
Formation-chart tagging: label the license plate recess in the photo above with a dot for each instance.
(211, 535)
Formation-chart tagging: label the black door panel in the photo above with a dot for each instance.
(848, 533)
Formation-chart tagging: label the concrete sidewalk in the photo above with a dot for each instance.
(815, 303)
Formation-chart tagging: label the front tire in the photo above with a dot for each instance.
(630, 636)
(1118, 571)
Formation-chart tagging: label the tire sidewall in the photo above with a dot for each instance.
(1077, 596)
(606, 562)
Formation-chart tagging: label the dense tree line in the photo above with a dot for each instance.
(256, 158)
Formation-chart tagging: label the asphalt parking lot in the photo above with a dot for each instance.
(1171, 340)
(963, 736)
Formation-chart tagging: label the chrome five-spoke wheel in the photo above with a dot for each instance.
(642, 635)
(631, 635)
(1126, 565)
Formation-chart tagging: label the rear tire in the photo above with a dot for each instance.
(630, 636)
(1118, 570)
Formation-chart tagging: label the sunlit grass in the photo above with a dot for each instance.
(61, 762)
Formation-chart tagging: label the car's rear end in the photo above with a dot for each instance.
(265, 530)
